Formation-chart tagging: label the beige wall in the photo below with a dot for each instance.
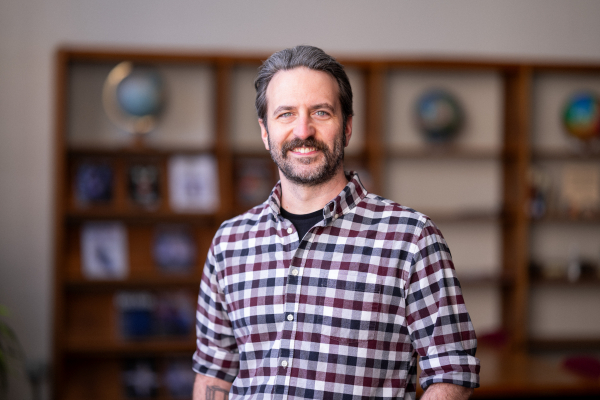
(30, 31)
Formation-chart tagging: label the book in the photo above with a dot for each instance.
(143, 183)
(104, 250)
(175, 313)
(174, 248)
(136, 312)
(140, 378)
(193, 183)
(145, 314)
(255, 180)
(93, 183)
(179, 378)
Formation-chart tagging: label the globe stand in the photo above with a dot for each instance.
(133, 99)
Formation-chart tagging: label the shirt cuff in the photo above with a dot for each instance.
(455, 367)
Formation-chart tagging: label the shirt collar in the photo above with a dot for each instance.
(348, 198)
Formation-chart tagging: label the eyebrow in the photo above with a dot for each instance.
(314, 107)
(324, 105)
(282, 108)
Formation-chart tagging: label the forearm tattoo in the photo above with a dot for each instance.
(216, 393)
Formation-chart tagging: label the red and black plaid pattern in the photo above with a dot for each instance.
(339, 314)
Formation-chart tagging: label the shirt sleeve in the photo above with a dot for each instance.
(437, 318)
(216, 352)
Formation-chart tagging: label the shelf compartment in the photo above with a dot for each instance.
(142, 267)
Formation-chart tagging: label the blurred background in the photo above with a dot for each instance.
(460, 36)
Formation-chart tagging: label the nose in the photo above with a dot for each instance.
(304, 127)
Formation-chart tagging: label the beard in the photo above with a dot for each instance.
(322, 171)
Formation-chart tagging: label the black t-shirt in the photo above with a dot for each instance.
(303, 222)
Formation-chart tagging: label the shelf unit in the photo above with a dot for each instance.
(88, 350)
(563, 314)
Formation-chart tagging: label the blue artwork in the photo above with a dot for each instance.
(581, 116)
(439, 115)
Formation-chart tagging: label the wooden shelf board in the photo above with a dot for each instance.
(564, 282)
(446, 153)
(462, 216)
(506, 373)
(129, 151)
(565, 344)
(485, 279)
(567, 218)
(103, 347)
(159, 282)
(565, 155)
(108, 213)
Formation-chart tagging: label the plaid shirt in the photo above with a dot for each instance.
(339, 314)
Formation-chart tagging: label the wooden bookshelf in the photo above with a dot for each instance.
(86, 330)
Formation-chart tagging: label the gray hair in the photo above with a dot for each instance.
(302, 56)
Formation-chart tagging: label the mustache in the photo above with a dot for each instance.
(310, 142)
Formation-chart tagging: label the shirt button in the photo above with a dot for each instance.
(295, 272)
(290, 230)
(284, 364)
(290, 317)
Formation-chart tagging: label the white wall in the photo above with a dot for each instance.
(31, 30)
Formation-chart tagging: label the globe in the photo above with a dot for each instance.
(140, 93)
(581, 115)
(439, 115)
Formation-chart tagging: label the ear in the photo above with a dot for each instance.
(264, 135)
(348, 130)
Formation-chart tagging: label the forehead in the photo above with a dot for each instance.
(301, 86)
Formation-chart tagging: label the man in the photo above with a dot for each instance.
(326, 291)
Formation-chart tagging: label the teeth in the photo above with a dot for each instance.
(304, 149)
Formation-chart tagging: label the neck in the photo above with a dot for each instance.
(301, 199)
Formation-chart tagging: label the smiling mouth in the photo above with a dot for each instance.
(304, 150)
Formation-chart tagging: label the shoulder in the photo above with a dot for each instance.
(255, 219)
(380, 208)
(401, 222)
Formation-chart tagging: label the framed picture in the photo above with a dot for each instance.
(255, 178)
(104, 250)
(143, 184)
(174, 248)
(193, 183)
(94, 183)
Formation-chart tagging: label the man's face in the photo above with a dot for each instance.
(304, 131)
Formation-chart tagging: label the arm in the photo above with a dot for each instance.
(442, 391)
(216, 359)
(209, 388)
(437, 319)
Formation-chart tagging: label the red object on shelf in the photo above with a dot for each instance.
(585, 366)
(496, 339)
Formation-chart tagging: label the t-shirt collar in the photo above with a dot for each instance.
(348, 198)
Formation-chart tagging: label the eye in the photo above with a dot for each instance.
(285, 115)
(322, 113)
